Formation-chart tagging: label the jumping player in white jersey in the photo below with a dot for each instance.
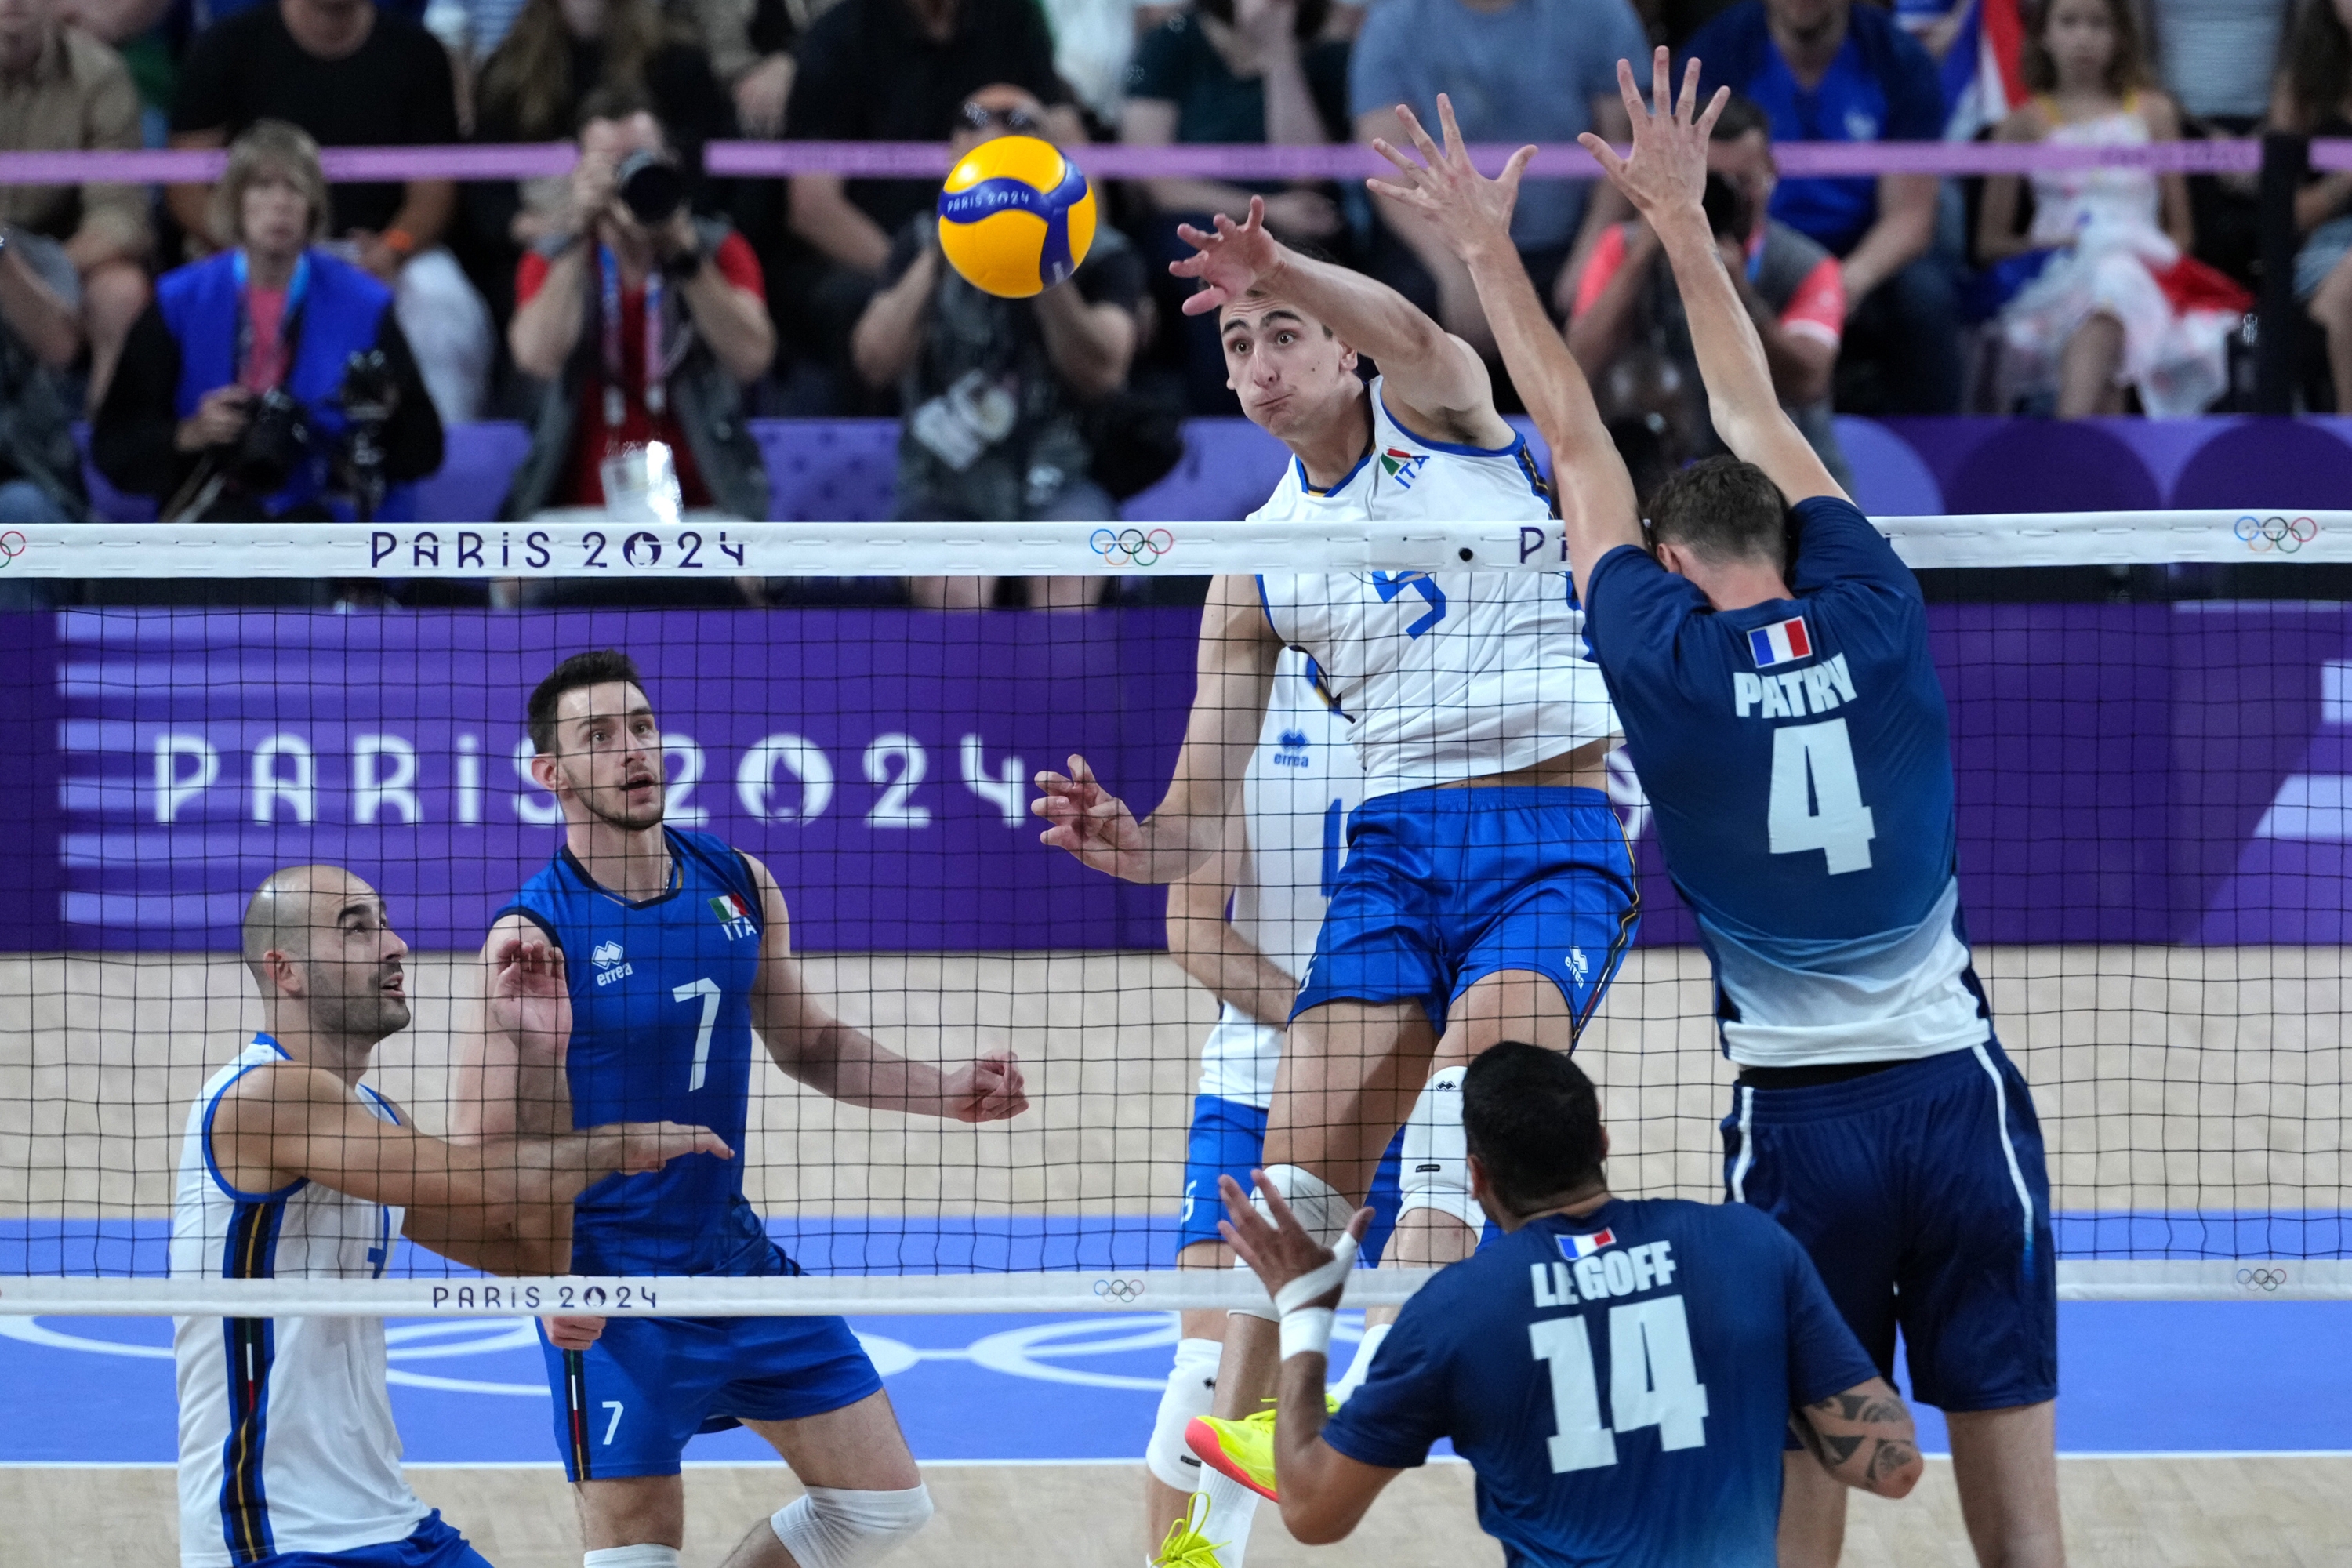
(292, 1168)
(1274, 876)
(1488, 891)
(1769, 654)
(692, 968)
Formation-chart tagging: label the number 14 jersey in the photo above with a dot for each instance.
(661, 1031)
(1443, 676)
(1620, 1382)
(1798, 758)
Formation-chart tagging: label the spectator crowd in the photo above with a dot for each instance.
(226, 340)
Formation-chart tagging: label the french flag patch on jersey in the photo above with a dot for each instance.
(1783, 642)
(1575, 1245)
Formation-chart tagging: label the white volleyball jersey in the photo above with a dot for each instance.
(1301, 784)
(285, 1437)
(1447, 675)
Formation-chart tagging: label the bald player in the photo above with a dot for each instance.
(293, 1169)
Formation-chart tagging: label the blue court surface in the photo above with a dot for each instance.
(2164, 1377)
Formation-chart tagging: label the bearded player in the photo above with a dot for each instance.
(1769, 653)
(1488, 892)
(677, 949)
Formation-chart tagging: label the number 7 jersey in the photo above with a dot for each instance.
(1798, 759)
(661, 1031)
(1443, 676)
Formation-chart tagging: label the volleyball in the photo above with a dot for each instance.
(1015, 217)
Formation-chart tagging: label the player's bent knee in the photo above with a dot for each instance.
(1435, 1159)
(830, 1527)
(1192, 1387)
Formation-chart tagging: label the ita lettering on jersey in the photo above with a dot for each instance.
(1782, 642)
(1401, 466)
(734, 918)
(611, 963)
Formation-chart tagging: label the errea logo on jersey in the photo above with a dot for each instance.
(1292, 751)
(1401, 466)
(611, 965)
(734, 919)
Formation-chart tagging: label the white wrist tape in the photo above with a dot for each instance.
(1307, 1331)
(1307, 1287)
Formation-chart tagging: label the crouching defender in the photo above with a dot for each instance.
(293, 1168)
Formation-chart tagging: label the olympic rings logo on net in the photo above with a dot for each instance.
(2285, 535)
(12, 545)
(1132, 546)
(2262, 1279)
(1125, 1291)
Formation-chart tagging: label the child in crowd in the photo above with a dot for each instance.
(2102, 293)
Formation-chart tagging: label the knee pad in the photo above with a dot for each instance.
(829, 1527)
(1436, 1160)
(1192, 1384)
(1323, 1212)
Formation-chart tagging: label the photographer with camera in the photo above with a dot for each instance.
(1627, 328)
(646, 322)
(270, 380)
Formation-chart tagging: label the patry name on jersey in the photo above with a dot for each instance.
(1824, 685)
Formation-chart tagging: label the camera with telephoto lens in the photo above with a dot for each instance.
(278, 437)
(370, 397)
(651, 185)
(1730, 215)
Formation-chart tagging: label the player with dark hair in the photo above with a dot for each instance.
(1781, 706)
(1488, 891)
(677, 949)
(1620, 1374)
(292, 1167)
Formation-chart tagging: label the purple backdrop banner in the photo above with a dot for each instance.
(2127, 772)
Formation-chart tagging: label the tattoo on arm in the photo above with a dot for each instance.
(1839, 1447)
(1890, 1455)
(1861, 1409)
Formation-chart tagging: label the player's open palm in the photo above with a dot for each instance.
(530, 999)
(1668, 168)
(1090, 821)
(990, 1090)
(1229, 262)
(1472, 211)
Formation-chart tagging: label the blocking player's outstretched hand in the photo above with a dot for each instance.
(990, 1090)
(1669, 166)
(1230, 262)
(530, 1000)
(1278, 1251)
(1472, 212)
(1089, 821)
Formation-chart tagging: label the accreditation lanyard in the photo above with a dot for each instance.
(288, 318)
(656, 394)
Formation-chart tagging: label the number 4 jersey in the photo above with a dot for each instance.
(1620, 1382)
(1796, 756)
(661, 1031)
(1441, 675)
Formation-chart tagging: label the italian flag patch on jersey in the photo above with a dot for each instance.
(728, 907)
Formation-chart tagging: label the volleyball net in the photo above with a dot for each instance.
(2154, 806)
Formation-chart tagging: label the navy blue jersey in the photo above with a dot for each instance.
(661, 1031)
(1621, 1383)
(1799, 760)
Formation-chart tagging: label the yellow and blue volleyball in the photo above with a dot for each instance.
(1015, 217)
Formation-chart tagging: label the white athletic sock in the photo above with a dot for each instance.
(1360, 1368)
(631, 1557)
(1226, 1525)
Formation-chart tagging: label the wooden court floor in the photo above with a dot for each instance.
(2252, 1512)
